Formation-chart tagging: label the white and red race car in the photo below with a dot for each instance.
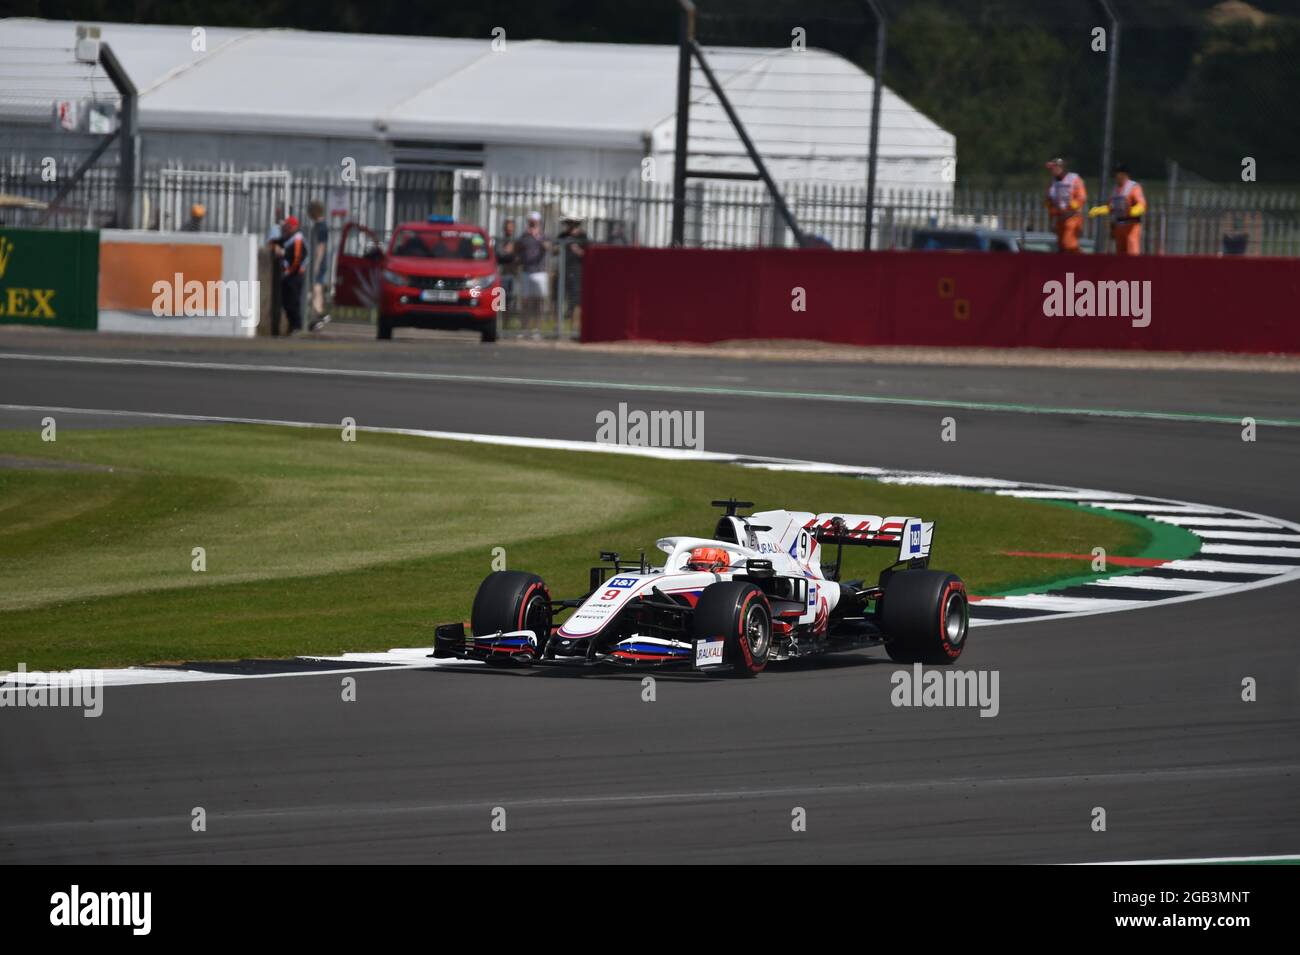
(753, 593)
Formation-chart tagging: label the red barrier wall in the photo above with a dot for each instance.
(934, 298)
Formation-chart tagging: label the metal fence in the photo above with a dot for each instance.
(1191, 220)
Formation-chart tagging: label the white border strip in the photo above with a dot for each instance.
(1207, 860)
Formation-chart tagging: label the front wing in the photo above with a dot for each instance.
(521, 647)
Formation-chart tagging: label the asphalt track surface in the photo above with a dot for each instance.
(1138, 713)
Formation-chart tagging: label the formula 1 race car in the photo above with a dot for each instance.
(754, 593)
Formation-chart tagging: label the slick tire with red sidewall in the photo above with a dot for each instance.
(512, 600)
(737, 612)
(925, 616)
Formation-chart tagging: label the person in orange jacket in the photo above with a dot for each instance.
(1127, 206)
(1066, 197)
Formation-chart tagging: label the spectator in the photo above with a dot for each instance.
(617, 235)
(508, 261)
(533, 246)
(320, 263)
(1127, 206)
(195, 222)
(573, 246)
(1066, 197)
(291, 250)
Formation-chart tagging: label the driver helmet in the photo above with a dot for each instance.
(711, 559)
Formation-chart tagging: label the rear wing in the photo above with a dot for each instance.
(911, 535)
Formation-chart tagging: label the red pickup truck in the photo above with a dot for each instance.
(435, 274)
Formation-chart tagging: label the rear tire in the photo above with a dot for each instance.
(512, 600)
(738, 612)
(925, 616)
(384, 330)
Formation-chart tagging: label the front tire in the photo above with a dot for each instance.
(384, 329)
(925, 616)
(489, 332)
(738, 612)
(512, 600)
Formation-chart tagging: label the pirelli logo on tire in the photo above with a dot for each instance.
(49, 278)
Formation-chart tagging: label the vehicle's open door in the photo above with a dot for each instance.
(356, 279)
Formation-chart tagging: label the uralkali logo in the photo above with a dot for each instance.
(229, 299)
(1087, 299)
(708, 653)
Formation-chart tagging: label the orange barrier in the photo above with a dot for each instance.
(128, 271)
(1171, 303)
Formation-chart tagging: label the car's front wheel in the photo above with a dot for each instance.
(736, 612)
(509, 600)
(384, 329)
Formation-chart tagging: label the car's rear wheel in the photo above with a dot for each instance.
(925, 616)
(510, 600)
(384, 329)
(738, 613)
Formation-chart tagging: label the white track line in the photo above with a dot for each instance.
(1192, 523)
(1063, 604)
(1227, 567)
(1144, 582)
(1081, 495)
(946, 480)
(1245, 535)
(813, 468)
(1149, 510)
(1246, 550)
(1204, 860)
(152, 676)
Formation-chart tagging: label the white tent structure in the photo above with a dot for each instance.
(295, 99)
